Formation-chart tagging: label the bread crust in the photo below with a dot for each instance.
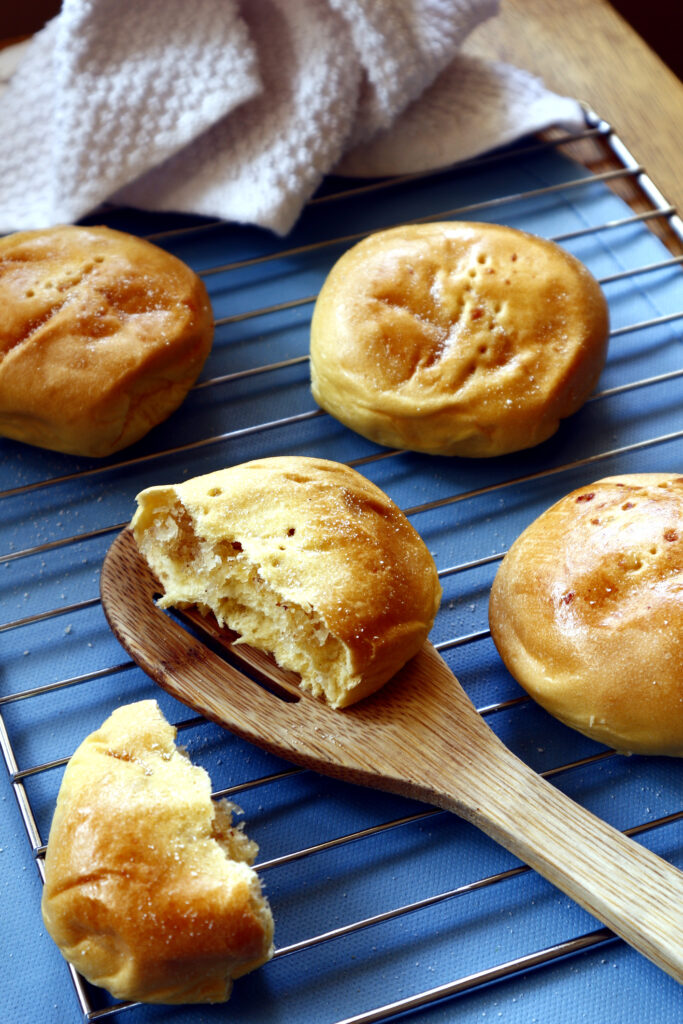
(455, 338)
(322, 538)
(139, 896)
(586, 611)
(101, 336)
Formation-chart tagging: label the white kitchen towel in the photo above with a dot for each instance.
(237, 108)
(473, 106)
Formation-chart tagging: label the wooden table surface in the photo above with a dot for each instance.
(583, 48)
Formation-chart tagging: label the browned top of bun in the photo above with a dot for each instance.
(587, 611)
(101, 336)
(149, 891)
(457, 338)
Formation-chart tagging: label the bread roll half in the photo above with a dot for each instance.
(149, 890)
(306, 559)
(101, 337)
(586, 611)
(456, 338)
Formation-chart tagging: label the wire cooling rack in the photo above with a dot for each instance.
(383, 907)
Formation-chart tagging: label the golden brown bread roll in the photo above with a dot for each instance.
(101, 337)
(304, 558)
(149, 890)
(586, 611)
(457, 339)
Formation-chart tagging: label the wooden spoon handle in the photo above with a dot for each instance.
(422, 738)
(633, 891)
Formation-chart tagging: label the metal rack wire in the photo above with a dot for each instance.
(653, 209)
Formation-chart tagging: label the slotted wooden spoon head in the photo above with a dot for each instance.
(373, 742)
(419, 736)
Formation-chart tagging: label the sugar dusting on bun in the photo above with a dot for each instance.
(149, 890)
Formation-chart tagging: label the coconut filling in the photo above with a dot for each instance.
(217, 576)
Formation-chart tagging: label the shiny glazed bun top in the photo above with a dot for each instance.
(101, 336)
(457, 338)
(586, 611)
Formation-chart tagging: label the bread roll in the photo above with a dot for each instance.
(149, 891)
(586, 611)
(457, 339)
(304, 558)
(101, 337)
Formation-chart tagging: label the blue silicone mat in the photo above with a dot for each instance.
(54, 632)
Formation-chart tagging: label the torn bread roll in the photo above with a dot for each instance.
(102, 335)
(457, 338)
(586, 611)
(149, 890)
(303, 557)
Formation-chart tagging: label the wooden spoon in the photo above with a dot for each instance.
(420, 737)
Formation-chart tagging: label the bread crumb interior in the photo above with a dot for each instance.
(218, 576)
(235, 843)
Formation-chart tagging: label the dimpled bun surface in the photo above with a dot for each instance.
(457, 338)
(101, 337)
(586, 611)
(306, 559)
(149, 890)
